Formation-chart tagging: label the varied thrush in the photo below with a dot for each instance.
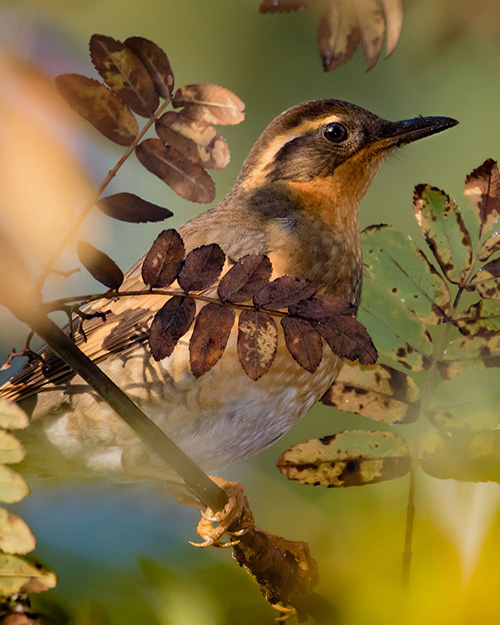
(296, 199)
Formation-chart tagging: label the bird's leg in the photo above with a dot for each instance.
(235, 519)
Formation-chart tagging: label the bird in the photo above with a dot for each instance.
(295, 199)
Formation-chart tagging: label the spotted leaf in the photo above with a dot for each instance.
(484, 316)
(490, 246)
(257, 342)
(210, 335)
(471, 352)
(487, 280)
(19, 574)
(482, 186)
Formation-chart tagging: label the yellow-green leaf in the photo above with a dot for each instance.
(471, 352)
(15, 535)
(11, 416)
(490, 246)
(484, 316)
(11, 450)
(350, 458)
(20, 574)
(487, 280)
(12, 486)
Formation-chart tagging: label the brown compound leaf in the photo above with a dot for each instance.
(347, 338)
(490, 246)
(352, 458)
(163, 262)
(470, 352)
(197, 140)
(187, 179)
(321, 307)
(171, 322)
(283, 292)
(210, 103)
(284, 6)
(210, 335)
(257, 342)
(202, 266)
(487, 280)
(482, 186)
(156, 62)
(248, 276)
(132, 209)
(484, 316)
(303, 342)
(376, 391)
(99, 106)
(100, 265)
(123, 71)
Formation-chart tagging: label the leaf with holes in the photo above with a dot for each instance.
(11, 416)
(257, 342)
(171, 322)
(393, 261)
(284, 292)
(210, 103)
(197, 140)
(201, 268)
(471, 352)
(100, 265)
(303, 342)
(487, 280)
(132, 209)
(484, 316)
(156, 62)
(463, 456)
(482, 186)
(351, 458)
(99, 106)
(163, 262)
(12, 486)
(490, 246)
(15, 535)
(444, 230)
(246, 278)
(187, 179)
(376, 391)
(25, 575)
(347, 338)
(11, 450)
(210, 335)
(124, 72)
(321, 307)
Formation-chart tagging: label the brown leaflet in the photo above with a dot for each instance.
(257, 342)
(201, 268)
(131, 208)
(352, 458)
(470, 352)
(171, 322)
(122, 70)
(210, 335)
(320, 307)
(283, 292)
(393, 10)
(347, 338)
(197, 140)
(490, 246)
(487, 280)
(482, 185)
(186, 178)
(210, 103)
(283, 6)
(164, 260)
(338, 34)
(481, 317)
(156, 62)
(303, 342)
(376, 391)
(99, 106)
(372, 27)
(248, 276)
(100, 265)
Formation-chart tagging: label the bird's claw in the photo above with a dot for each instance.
(286, 611)
(235, 519)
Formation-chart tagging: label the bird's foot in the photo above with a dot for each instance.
(235, 519)
(285, 611)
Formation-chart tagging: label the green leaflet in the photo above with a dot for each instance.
(444, 230)
(487, 280)
(483, 316)
(471, 352)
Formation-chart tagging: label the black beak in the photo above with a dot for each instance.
(397, 134)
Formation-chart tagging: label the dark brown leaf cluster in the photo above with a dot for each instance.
(246, 286)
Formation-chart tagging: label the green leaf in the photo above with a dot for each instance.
(444, 230)
(490, 246)
(471, 352)
(484, 316)
(12, 486)
(468, 457)
(11, 450)
(376, 391)
(11, 416)
(394, 261)
(15, 535)
(350, 458)
(467, 402)
(487, 280)
(24, 575)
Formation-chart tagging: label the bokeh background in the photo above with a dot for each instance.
(121, 552)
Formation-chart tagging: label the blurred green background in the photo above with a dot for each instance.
(121, 552)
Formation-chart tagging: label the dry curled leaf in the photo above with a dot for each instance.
(201, 268)
(171, 322)
(248, 276)
(163, 262)
(347, 338)
(257, 342)
(210, 335)
(99, 106)
(187, 179)
(123, 71)
(156, 62)
(131, 208)
(283, 292)
(197, 140)
(303, 342)
(100, 265)
(210, 103)
(482, 186)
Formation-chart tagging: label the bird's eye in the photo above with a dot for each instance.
(336, 133)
